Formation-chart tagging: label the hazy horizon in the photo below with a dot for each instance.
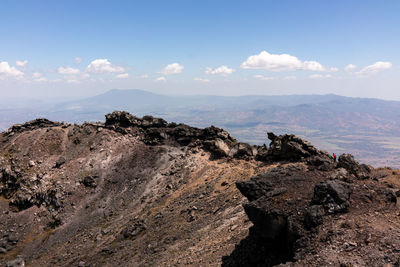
(79, 49)
(55, 99)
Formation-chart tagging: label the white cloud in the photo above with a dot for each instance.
(201, 80)
(122, 76)
(312, 65)
(40, 79)
(22, 64)
(77, 60)
(7, 71)
(222, 70)
(103, 66)
(262, 77)
(350, 67)
(67, 70)
(334, 69)
(144, 76)
(275, 62)
(374, 68)
(36, 75)
(319, 76)
(290, 78)
(161, 79)
(173, 68)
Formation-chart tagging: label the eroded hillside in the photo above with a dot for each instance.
(144, 192)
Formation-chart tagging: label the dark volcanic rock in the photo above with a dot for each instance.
(314, 216)
(22, 200)
(254, 189)
(218, 147)
(291, 147)
(122, 119)
(271, 136)
(277, 222)
(333, 195)
(31, 125)
(347, 161)
(125, 119)
(150, 121)
(269, 224)
(242, 150)
(90, 181)
(9, 182)
(157, 131)
(60, 162)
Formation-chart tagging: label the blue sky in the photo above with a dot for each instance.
(82, 48)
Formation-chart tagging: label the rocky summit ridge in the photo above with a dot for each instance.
(144, 192)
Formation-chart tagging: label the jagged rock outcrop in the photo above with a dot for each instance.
(31, 125)
(360, 171)
(288, 205)
(292, 148)
(278, 227)
(24, 192)
(218, 141)
(125, 119)
(158, 131)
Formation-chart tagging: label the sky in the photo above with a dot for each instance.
(73, 49)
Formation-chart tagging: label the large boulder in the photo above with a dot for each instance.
(213, 132)
(242, 150)
(254, 188)
(293, 148)
(150, 121)
(347, 161)
(275, 209)
(122, 119)
(333, 195)
(217, 147)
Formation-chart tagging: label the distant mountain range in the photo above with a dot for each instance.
(368, 128)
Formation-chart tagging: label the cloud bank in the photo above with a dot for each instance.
(7, 71)
(281, 62)
(374, 68)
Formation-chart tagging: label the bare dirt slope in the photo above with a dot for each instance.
(144, 192)
(87, 193)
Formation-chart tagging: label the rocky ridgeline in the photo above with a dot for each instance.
(216, 140)
(157, 131)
